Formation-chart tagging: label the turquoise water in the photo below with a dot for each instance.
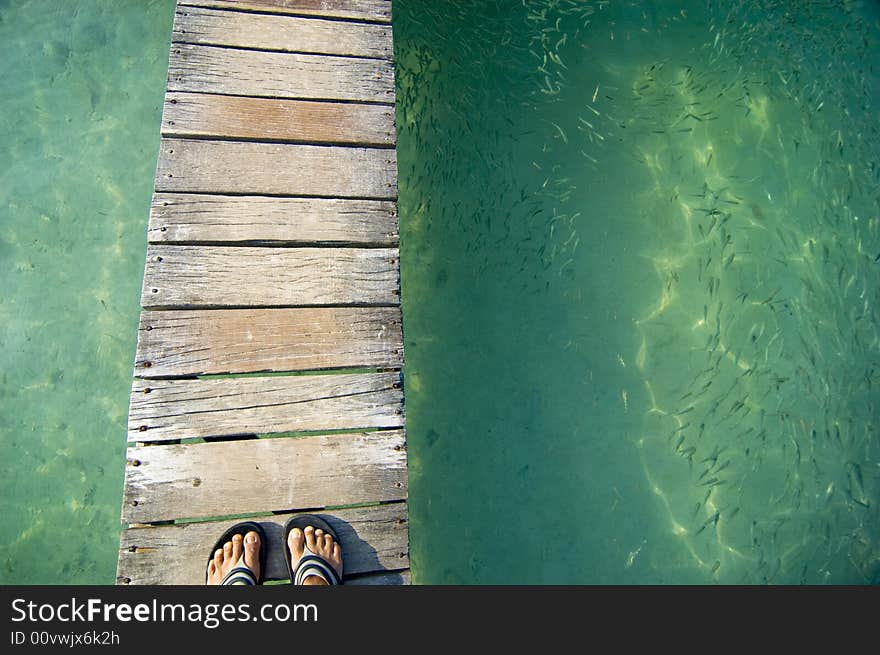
(640, 247)
(80, 107)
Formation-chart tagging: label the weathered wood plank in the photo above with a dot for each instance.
(164, 482)
(371, 10)
(209, 276)
(196, 218)
(374, 539)
(209, 69)
(265, 119)
(176, 343)
(281, 33)
(270, 168)
(162, 410)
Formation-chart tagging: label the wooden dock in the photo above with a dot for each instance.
(267, 378)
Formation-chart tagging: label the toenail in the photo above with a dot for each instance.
(237, 537)
(251, 537)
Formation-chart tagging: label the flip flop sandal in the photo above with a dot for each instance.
(240, 574)
(310, 563)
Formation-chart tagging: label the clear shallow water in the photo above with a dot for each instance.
(80, 108)
(639, 249)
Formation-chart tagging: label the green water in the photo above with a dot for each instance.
(640, 285)
(80, 105)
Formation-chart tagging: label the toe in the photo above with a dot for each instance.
(212, 575)
(310, 538)
(227, 551)
(296, 542)
(218, 557)
(328, 543)
(237, 547)
(335, 557)
(252, 552)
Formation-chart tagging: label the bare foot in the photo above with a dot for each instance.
(225, 558)
(319, 543)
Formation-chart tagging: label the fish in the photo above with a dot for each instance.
(561, 132)
(712, 519)
(633, 554)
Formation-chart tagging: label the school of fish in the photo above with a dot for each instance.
(751, 138)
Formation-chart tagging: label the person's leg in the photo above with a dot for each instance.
(226, 558)
(320, 544)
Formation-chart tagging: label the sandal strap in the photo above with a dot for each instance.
(239, 575)
(311, 564)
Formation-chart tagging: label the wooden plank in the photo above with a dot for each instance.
(209, 276)
(371, 10)
(196, 218)
(229, 167)
(162, 410)
(176, 343)
(281, 33)
(264, 119)
(164, 482)
(374, 539)
(209, 69)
